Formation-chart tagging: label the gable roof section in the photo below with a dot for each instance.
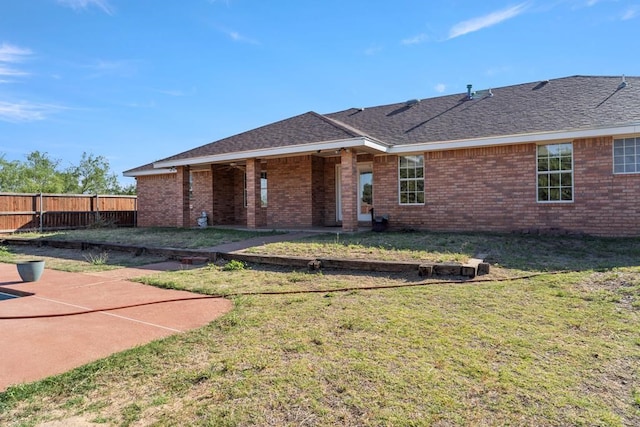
(307, 128)
(569, 107)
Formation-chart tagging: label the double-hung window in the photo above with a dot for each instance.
(626, 155)
(411, 180)
(555, 172)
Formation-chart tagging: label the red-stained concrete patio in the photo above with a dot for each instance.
(38, 345)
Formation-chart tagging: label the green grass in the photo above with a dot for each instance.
(152, 237)
(555, 349)
(74, 260)
(512, 251)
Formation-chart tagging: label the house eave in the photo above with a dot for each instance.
(617, 130)
(148, 172)
(360, 142)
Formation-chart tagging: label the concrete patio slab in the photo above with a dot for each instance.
(70, 319)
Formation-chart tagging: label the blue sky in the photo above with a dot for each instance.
(139, 80)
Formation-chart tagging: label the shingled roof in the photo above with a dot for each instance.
(564, 104)
(559, 105)
(306, 128)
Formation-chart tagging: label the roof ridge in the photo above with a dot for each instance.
(345, 127)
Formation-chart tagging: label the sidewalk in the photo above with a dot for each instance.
(50, 339)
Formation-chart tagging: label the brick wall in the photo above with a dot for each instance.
(329, 196)
(290, 193)
(157, 200)
(202, 196)
(318, 210)
(494, 189)
(223, 210)
(482, 189)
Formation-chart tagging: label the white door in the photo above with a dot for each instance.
(365, 191)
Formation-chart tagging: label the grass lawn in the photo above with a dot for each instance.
(152, 237)
(555, 349)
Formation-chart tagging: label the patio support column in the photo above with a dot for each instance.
(183, 216)
(253, 192)
(349, 190)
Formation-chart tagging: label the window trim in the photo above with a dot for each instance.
(572, 171)
(414, 179)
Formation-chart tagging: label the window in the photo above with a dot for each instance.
(411, 180)
(626, 155)
(244, 190)
(555, 173)
(190, 185)
(263, 189)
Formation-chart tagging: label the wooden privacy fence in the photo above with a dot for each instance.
(22, 212)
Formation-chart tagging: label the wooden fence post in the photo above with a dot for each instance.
(41, 215)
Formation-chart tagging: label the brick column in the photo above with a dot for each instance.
(183, 217)
(349, 190)
(253, 193)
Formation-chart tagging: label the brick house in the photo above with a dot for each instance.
(557, 155)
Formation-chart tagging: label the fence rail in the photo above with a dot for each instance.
(22, 212)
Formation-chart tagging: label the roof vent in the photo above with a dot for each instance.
(469, 94)
(412, 102)
(623, 83)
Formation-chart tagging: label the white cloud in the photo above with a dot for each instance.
(119, 68)
(440, 88)
(6, 71)
(372, 50)
(475, 24)
(420, 38)
(631, 13)
(176, 92)
(25, 111)
(236, 36)
(11, 53)
(85, 4)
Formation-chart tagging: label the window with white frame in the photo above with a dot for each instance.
(626, 155)
(555, 172)
(263, 189)
(411, 180)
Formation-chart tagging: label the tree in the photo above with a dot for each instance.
(40, 174)
(92, 176)
(9, 175)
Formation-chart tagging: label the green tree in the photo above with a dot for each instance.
(41, 174)
(93, 176)
(9, 175)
